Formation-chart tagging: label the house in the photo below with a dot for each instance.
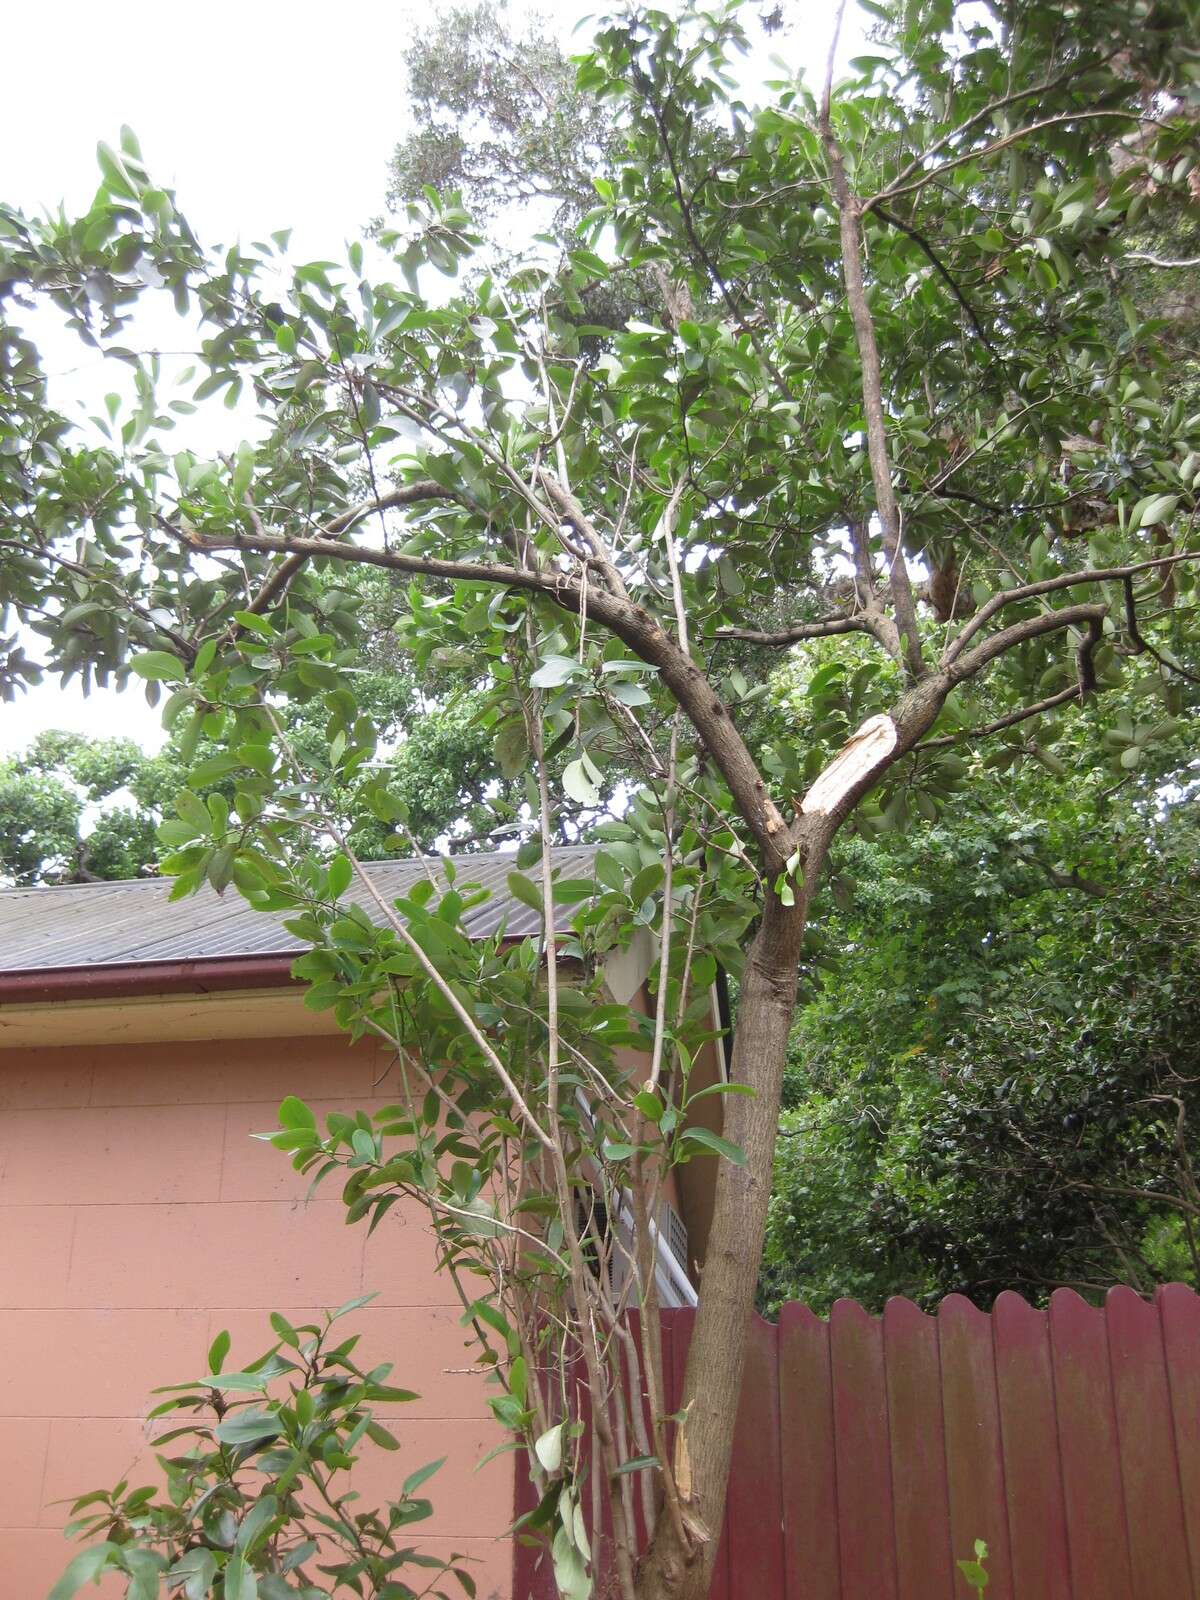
(142, 1042)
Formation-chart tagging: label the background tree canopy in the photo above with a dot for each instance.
(998, 1088)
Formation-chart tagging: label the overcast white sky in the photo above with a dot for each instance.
(261, 115)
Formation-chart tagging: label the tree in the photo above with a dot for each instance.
(895, 393)
(47, 793)
(75, 809)
(500, 118)
(997, 1092)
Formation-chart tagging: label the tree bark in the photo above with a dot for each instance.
(716, 1359)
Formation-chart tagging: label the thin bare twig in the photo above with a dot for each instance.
(1161, 261)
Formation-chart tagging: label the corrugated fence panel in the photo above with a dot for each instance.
(871, 1453)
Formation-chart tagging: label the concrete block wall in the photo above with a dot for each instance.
(138, 1218)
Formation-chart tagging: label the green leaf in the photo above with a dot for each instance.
(293, 1113)
(340, 875)
(507, 1447)
(722, 1088)
(1155, 508)
(158, 666)
(714, 1142)
(975, 1575)
(422, 1475)
(616, 1151)
(116, 179)
(206, 772)
(240, 1582)
(239, 1382)
(84, 1568)
(145, 1568)
(555, 670)
(354, 1305)
(649, 1104)
(525, 890)
(249, 1427)
(285, 1330)
(570, 1572)
(548, 1448)
(218, 1350)
(195, 1570)
(256, 1522)
(579, 783)
(630, 694)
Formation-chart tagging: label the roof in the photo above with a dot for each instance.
(132, 923)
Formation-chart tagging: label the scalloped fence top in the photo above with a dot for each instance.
(872, 1452)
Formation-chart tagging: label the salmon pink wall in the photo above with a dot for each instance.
(138, 1219)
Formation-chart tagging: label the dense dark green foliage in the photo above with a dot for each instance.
(999, 1084)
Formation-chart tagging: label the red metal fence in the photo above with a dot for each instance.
(872, 1452)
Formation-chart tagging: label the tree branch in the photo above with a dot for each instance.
(990, 110)
(944, 272)
(1074, 880)
(568, 507)
(1010, 721)
(631, 623)
(1161, 261)
(277, 582)
(700, 248)
(898, 187)
(185, 647)
(1079, 692)
(893, 737)
(824, 629)
(875, 618)
(1064, 580)
(872, 388)
(1143, 646)
(1018, 633)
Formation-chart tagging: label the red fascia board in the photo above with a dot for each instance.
(208, 975)
(119, 981)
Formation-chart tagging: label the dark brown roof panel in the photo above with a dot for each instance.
(132, 922)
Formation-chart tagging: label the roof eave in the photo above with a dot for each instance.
(115, 981)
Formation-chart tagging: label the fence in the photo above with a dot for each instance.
(871, 1452)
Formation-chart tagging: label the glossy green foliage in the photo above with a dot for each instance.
(997, 1089)
(587, 531)
(255, 1502)
(74, 809)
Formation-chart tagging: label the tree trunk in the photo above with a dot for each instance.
(717, 1356)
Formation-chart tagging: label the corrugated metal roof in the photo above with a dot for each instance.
(132, 921)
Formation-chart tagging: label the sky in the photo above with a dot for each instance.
(261, 115)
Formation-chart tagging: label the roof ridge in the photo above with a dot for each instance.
(395, 861)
